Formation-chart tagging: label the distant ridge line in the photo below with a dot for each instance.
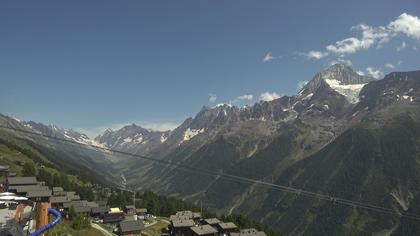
(239, 179)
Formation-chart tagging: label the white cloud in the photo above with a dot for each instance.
(369, 36)
(406, 24)
(349, 45)
(246, 97)
(164, 126)
(212, 97)
(269, 96)
(360, 72)
(399, 62)
(316, 55)
(268, 57)
(389, 66)
(301, 84)
(375, 73)
(402, 46)
(341, 61)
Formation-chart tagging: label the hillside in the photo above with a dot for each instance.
(324, 140)
(343, 135)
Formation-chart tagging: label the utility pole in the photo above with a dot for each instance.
(134, 197)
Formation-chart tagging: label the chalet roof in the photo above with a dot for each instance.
(92, 204)
(212, 221)
(228, 225)
(196, 215)
(132, 225)
(101, 209)
(59, 199)
(58, 189)
(82, 209)
(182, 223)
(185, 213)
(27, 188)
(72, 196)
(112, 218)
(4, 168)
(142, 210)
(42, 193)
(175, 217)
(114, 210)
(22, 180)
(203, 230)
(249, 232)
(75, 197)
(75, 204)
(60, 193)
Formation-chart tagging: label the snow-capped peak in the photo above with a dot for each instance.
(223, 105)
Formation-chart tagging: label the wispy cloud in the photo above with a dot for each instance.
(301, 84)
(360, 72)
(316, 55)
(369, 36)
(245, 97)
(268, 57)
(212, 97)
(375, 73)
(389, 66)
(240, 100)
(163, 126)
(340, 61)
(269, 96)
(402, 46)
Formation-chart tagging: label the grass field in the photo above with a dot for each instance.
(156, 229)
(64, 228)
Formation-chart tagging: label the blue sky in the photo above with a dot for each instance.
(89, 65)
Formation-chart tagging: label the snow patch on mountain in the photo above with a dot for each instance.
(190, 133)
(222, 105)
(163, 138)
(349, 91)
(83, 139)
(127, 140)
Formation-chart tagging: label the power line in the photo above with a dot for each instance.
(235, 178)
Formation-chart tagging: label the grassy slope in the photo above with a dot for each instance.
(9, 155)
(64, 227)
(367, 163)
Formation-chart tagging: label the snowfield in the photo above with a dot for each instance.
(349, 91)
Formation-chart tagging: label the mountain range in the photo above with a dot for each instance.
(344, 135)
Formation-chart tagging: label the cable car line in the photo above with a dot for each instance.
(239, 179)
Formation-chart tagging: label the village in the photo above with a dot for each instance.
(21, 197)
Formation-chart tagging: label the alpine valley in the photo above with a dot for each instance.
(343, 135)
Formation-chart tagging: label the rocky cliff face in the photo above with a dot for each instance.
(317, 140)
(343, 135)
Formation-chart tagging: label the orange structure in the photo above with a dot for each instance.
(42, 214)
